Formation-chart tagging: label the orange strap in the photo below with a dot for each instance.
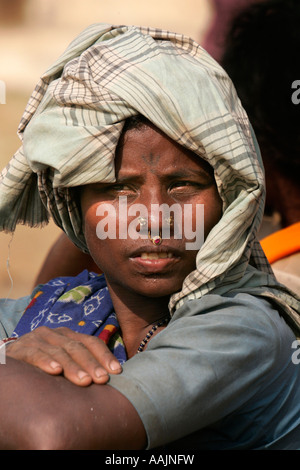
(282, 243)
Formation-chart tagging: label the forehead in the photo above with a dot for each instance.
(149, 148)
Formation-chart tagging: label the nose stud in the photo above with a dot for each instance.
(142, 221)
(169, 220)
(156, 240)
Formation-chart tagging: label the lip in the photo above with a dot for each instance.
(155, 249)
(155, 266)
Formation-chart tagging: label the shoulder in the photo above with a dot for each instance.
(236, 304)
(239, 316)
(223, 338)
(218, 355)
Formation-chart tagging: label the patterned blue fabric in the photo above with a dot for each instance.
(81, 303)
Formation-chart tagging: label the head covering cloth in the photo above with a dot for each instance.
(73, 122)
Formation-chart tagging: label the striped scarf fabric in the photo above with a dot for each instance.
(73, 122)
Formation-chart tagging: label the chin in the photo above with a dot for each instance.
(156, 287)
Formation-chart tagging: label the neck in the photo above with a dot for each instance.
(136, 315)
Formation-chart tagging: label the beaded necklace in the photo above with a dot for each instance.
(150, 333)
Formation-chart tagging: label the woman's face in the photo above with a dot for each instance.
(151, 170)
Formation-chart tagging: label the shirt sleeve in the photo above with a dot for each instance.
(214, 356)
(11, 311)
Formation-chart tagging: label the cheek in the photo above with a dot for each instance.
(100, 221)
(90, 222)
(100, 231)
(208, 212)
(212, 211)
(95, 245)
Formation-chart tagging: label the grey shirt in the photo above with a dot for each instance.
(220, 376)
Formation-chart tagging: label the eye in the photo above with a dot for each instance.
(181, 183)
(185, 185)
(111, 190)
(118, 189)
(112, 187)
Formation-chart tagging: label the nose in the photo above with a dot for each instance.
(156, 219)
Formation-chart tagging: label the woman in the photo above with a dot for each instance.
(205, 344)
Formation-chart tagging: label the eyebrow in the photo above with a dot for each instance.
(188, 172)
(174, 174)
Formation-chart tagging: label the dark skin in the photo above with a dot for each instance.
(53, 363)
(71, 418)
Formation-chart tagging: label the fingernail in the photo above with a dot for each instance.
(115, 365)
(81, 374)
(55, 365)
(99, 372)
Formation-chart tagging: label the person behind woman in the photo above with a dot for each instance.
(201, 336)
(262, 66)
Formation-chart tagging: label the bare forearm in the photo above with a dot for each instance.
(39, 411)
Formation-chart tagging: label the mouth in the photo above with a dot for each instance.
(152, 255)
(156, 261)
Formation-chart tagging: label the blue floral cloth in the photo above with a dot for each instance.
(81, 303)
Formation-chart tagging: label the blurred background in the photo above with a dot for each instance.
(33, 33)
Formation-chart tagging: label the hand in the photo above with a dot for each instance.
(81, 358)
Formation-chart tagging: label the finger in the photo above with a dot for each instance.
(78, 363)
(60, 350)
(52, 359)
(97, 348)
(77, 360)
(36, 357)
